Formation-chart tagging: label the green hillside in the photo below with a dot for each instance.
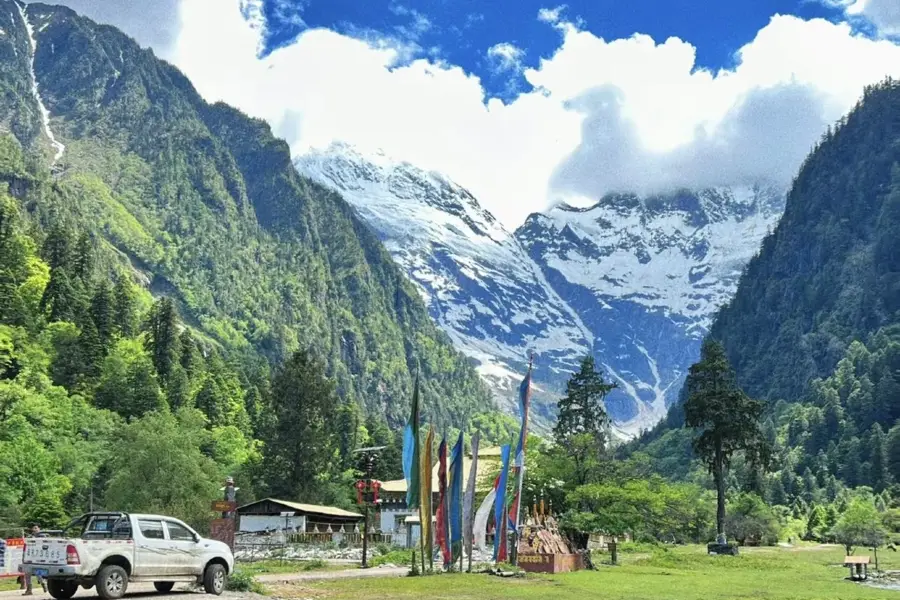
(203, 203)
(177, 304)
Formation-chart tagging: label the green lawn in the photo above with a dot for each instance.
(262, 567)
(684, 573)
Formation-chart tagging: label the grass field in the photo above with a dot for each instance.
(683, 573)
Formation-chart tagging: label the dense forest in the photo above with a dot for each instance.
(814, 331)
(177, 304)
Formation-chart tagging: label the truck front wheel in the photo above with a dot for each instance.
(112, 581)
(62, 589)
(214, 579)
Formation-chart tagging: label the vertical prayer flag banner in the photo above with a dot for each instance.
(524, 406)
(425, 501)
(411, 454)
(469, 500)
(479, 528)
(441, 533)
(456, 488)
(500, 517)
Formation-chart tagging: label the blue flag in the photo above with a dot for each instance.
(411, 458)
(500, 518)
(456, 487)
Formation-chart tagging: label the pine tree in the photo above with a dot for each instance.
(60, 299)
(102, 315)
(726, 419)
(83, 258)
(879, 472)
(163, 341)
(301, 444)
(124, 308)
(581, 410)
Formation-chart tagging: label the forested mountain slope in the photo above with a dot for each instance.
(830, 273)
(203, 204)
(814, 328)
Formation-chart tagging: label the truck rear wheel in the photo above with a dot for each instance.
(214, 579)
(62, 589)
(112, 581)
(163, 587)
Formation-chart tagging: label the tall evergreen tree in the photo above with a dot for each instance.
(726, 419)
(124, 307)
(582, 422)
(162, 340)
(102, 314)
(581, 410)
(301, 445)
(879, 472)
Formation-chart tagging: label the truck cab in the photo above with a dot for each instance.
(111, 549)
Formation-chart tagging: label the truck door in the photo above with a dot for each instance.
(186, 555)
(153, 555)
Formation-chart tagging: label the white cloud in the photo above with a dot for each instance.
(551, 15)
(884, 14)
(505, 57)
(604, 114)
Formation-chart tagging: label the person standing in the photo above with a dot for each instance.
(35, 532)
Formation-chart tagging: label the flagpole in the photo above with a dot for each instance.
(521, 460)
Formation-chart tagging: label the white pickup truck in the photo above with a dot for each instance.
(110, 550)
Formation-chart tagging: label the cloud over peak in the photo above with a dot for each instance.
(601, 115)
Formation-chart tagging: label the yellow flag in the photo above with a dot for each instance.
(425, 497)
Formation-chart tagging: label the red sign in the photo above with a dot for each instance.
(223, 531)
(10, 542)
(223, 506)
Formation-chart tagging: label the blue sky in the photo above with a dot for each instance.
(527, 104)
(461, 31)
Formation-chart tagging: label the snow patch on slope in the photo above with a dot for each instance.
(478, 281)
(58, 146)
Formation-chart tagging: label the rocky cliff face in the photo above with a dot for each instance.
(646, 276)
(633, 280)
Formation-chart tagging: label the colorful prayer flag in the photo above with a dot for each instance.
(425, 501)
(519, 469)
(411, 458)
(500, 517)
(455, 500)
(469, 500)
(441, 533)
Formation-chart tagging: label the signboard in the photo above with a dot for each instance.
(11, 552)
(223, 531)
(224, 506)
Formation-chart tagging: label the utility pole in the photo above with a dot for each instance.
(367, 492)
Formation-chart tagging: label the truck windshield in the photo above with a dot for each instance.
(99, 527)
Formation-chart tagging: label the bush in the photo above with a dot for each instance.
(241, 581)
(314, 564)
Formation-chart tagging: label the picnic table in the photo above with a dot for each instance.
(859, 566)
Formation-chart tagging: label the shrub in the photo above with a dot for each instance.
(242, 581)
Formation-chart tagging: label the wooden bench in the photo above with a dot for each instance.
(859, 566)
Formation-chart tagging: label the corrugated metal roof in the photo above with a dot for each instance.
(485, 465)
(316, 509)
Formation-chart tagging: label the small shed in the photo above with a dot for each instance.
(267, 514)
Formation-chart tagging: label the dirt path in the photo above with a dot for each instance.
(275, 578)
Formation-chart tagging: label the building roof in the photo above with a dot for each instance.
(313, 509)
(486, 464)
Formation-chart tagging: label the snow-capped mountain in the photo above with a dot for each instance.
(478, 281)
(633, 280)
(646, 275)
